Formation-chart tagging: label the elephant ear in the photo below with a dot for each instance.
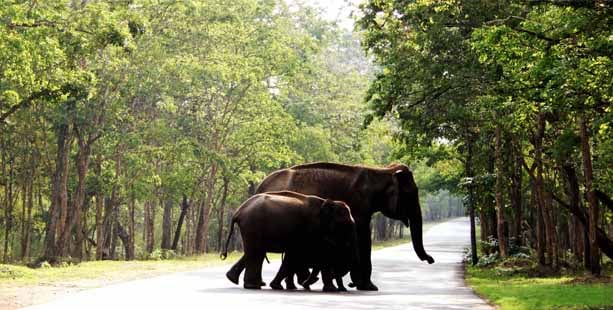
(391, 197)
(406, 182)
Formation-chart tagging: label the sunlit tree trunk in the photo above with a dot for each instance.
(58, 194)
(502, 240)
(591, 195)
(220, 213)
(205, 212)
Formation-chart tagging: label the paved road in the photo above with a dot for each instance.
(404, 283)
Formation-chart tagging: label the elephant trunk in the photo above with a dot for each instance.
(415, 225)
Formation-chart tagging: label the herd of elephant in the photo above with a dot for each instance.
(319, 216)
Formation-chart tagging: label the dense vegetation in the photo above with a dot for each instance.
(133, 129)
(520, 92)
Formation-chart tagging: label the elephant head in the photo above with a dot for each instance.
(402, 203)
(339, 231)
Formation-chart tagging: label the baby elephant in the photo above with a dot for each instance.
(305, 227)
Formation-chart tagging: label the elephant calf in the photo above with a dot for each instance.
(308, 228)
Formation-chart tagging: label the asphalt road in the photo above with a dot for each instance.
(404, 283)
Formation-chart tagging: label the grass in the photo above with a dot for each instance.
(520, 284)
(554, 292)
(106, 270)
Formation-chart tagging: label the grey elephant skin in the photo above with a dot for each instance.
(366, 190)
(308, 228)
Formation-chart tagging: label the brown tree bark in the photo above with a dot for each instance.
(515, 195)
(99, 196)
(604, 243)
(591, 195)
(132, 223)
(8, 205)
(184, 208)
(149, 226)
(58, 196)
(471, 198)
(538, 188)
(204, 214)
(125, 240)
(552, 243)
(220, 212)
(74, 214)
(27, 231)
(502, 240)
(166, 223)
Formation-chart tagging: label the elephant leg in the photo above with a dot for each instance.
(289, 281)
(253, 272)
(302, 274)
(365, 270)
(326, 276)
(283, 273)
(339, 283)
(312, 277)
(234, 273)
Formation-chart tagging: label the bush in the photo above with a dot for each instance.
(160, 254)
(488, 260)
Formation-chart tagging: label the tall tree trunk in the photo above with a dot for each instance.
(99, 213)
(125, 240)
(112, 229)
(591, 195)
(166, 223)
(539, 188)
(220, 213)
(75, 216)
(149, 226)
(515, 195)
(132, 224)
(184, 208)
(204, 215)
(57, 198)
(552, 244)
(61, 245)
(471, 200)
(27, 233)
(8, 209)
(502, 240)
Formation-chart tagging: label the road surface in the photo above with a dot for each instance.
(404, 283)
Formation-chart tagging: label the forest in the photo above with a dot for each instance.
(519, 92)
(134, 129)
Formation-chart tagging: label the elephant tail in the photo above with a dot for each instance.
(223, 255)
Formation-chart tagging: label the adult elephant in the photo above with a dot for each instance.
(390, 190)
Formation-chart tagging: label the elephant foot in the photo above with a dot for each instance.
(276, 286)
(290, 286)
(330, 288)
(368, 286)
(306, 287)
(232, 276)
(342, 288)
(250, 286)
